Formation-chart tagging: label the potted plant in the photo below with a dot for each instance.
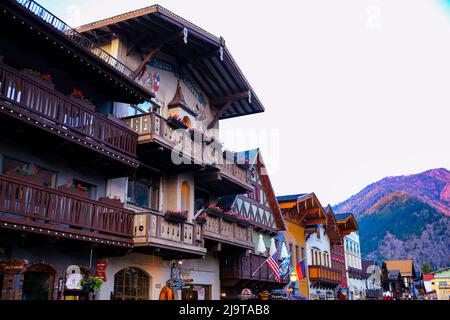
(43, 78)
(201, 218)
(175, 216)
(78, 96)
(176, 122)
(112, 201)
(230, 216)
(92, 284)
(214, 211)
(73, 189)
(243, 222)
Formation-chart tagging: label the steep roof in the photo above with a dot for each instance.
(254, 158)
(366, 264)
(204, 57)
(292, 197)
(406, 267)
(394, 274)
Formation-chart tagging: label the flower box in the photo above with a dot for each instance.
(112, 202)
(25, 177)
(74, 191)
(201, 219)
(37, 76)
(243, 223)
(176, 123)
(175, 216)
(82, 102)
(214, 212)
(230, 217)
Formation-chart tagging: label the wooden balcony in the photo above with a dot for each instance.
(326, 277)
(212, 171)
(152, 232)
(42, 107)
(29, 207)
(218, 230)
(244, 269)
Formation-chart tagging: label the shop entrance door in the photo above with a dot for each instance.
(38, 283)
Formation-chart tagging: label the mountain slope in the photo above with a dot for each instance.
(405, 217)
(432, 187)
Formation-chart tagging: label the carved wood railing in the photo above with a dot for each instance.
(222, 231)
(150, 225)
(31, 204)
(35, 101)
(325, 274)
(153, 126)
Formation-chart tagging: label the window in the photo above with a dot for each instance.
(185, 196)
(131, 284)
(47, 177)
(297, 254)
(139, 193)
(303, 253)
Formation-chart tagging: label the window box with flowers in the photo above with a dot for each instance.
(29, 175)
(76, 190)
(43, 78)
(230, 216)
(201, 218)
(112, 201)
(78, 96)
(175, 216)
(215, 212)
(243, 222)
(176, 122)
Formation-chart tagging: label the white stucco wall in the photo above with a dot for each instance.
(202, 271)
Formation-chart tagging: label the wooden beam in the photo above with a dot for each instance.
(314, 222)
(219, 114)
(158, 48)
(237, 96)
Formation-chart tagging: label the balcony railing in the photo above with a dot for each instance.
(31, 207)
(79, 39)
(251, 267)
(225, 232)
(153, 127)
(151, 229)
(39, 104)
(325, 274)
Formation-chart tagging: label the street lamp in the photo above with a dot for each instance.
(293, 279)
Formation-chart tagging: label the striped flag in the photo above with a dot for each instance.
(274, 266)
(300, 269)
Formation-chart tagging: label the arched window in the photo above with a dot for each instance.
(187, 122)
(39, 282)
(185, 196)
(131, 284)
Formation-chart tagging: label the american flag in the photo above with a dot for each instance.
(271, 261)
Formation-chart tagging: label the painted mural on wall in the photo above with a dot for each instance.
(169, 67)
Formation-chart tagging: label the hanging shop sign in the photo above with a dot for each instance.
(265, 295)
(13, 265)
(101, 269)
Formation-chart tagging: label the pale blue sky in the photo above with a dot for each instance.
(356, 90)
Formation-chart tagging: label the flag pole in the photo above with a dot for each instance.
(260, 267)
